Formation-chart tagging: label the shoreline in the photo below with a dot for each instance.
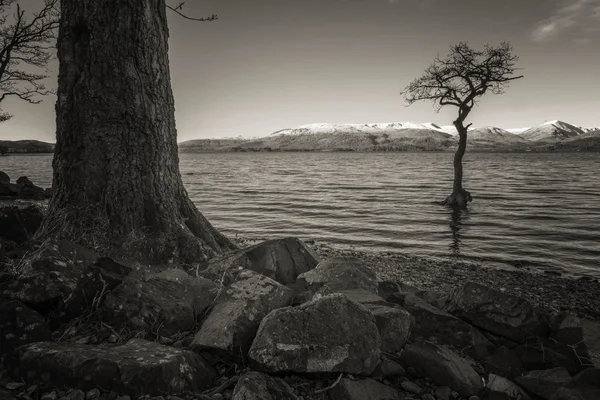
(555, 294)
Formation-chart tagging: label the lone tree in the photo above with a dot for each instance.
(25, 50)
(116, 184)
(459, 80)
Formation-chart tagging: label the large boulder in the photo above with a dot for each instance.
(363, 389)
(499, 313)
(4, 178)
(500, 388)
(257, 386)
(583, 386)
(437, 326)
(543, 383)
(537, 354)
(232, 324)
(340, 273)
(394, 325)
(443, 366)
(583, 336)
(329, 334)
(504, 362)
(19, 224)
(136, 368)
(165, 304)
(45, 284)
(279, 259)
(29, 191)
(20, 325)
(98, 279)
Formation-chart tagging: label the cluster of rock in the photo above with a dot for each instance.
(23, 188)
(278, 309)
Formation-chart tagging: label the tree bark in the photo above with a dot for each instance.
(116, 183)
(459, 197)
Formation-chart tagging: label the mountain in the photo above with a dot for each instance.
(375, 128)
(490, 134)
(406, 136)
(552, 131)
(27, 146)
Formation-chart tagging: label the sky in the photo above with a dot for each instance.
(266, 65)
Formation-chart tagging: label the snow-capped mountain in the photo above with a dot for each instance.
(493, 134)
(552, 131)
(320, 128)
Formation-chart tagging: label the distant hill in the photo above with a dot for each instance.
(406, 136)
(341, 137)
(552, 131)
(27, 146)
(490, 135)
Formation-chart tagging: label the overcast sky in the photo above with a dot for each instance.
(266, 65)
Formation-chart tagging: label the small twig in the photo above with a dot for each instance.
(205, 19)
(334, 384)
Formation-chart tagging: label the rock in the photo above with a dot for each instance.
(411, 387)
(92, 394)
(257, 386)
(363, 389)
(442, 366)
(386, 369)
(18, 224)
(340, 273)
(583, 386)
(543, 383)
(31, 192)
(437, 299)
(76, 395)
(232, 324)
(499, 388)
(360, 296)
(504, 362)
(279, 259)
(14, 385)
(44, 285)
(19, 325)
(499, 313)
(583, 335)
(538, 354)
(443, 393)
(329, 334)
(162, 304)
(49, 396)
(394, 325)
(4, 178)
(437, 326)
(94, 283)
(136, 368)
(23, 180)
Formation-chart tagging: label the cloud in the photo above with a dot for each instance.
(570, 16)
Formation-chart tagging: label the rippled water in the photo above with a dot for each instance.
(539, 210)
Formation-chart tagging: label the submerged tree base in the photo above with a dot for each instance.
(458, 199)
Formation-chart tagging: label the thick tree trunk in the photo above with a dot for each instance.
(116, 168)
(459, 196)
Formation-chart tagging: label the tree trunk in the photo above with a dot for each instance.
(116, 183)
(459, 196)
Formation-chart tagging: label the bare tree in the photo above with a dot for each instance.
(116, 183)
(458, 80)
(26, 47)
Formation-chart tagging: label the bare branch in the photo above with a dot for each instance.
(26, 48)
(463, 76)
(177, 9)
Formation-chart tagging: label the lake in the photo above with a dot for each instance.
(537, 210)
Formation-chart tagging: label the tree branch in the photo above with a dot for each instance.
(179, 7)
